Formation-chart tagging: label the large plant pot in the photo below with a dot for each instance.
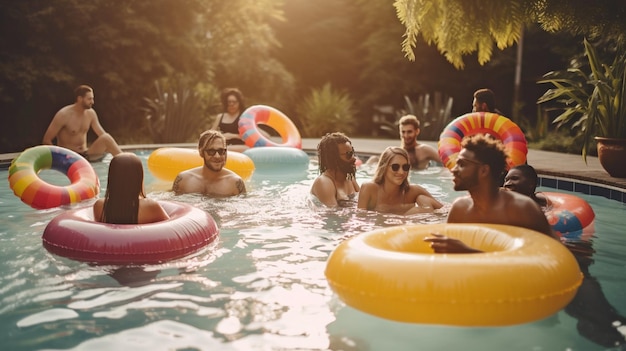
(612, 156)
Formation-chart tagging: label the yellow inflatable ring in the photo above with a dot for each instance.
(392, 273)
(260, 114)
(33, 191)
(482, 122)
(165, 163)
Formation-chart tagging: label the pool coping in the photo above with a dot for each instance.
(556, 170)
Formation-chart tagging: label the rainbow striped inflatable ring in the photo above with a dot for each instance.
(482, 122)
(260, 114)
(35, 192)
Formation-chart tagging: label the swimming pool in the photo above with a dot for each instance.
(263, 286)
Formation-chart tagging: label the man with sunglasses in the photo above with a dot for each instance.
(479, 168)
(336, 185)
(211, 179)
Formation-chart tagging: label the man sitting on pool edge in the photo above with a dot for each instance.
(210, 179)
(479, 168)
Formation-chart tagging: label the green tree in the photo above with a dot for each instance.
(461, 27)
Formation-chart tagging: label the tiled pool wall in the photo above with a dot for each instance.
(581, 186)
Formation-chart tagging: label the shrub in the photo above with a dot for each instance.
(326, 110)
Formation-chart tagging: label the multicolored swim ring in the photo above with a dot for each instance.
(521, 276)
(482, 122)
(76, 235)
(165, 163)
(569, 215)
(35, 192)
(261, 114)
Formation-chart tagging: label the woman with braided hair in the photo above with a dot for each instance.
(336, 185)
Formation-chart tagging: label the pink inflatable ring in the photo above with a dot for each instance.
(74, 234)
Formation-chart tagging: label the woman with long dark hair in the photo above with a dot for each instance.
(125, 201)
(390, 190)
(227, 122)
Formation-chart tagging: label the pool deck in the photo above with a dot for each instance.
(553, 164)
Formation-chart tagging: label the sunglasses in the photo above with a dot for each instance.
(232, 102)
(212, 152)
(396, 167)
(349, 154)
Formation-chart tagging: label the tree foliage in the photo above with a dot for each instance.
(461, 27)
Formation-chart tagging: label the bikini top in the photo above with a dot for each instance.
(229, 127)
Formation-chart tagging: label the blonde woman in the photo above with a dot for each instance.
(390, 191)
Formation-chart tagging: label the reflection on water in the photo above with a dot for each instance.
(263, 286)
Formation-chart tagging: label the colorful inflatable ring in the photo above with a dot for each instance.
(569, 215)
(278, 160)
(392, 273)
(260, 114)
(35, 192)
(74, 234)
(482, 122)
(165, 163)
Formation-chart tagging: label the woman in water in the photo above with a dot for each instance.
(125, 201)
(227, 122)
(390, 191)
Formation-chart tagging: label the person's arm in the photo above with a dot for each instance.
(98, 206)
(433, 155)
(216, 122)
(533, 218)
(425, 198)
(240, 186)
(366, 196)
(95, 124)
(324, 189)
(53, 129)
(443, 244)
(178, 185)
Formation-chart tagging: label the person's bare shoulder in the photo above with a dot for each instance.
(459, 210)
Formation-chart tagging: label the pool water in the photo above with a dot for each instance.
(263, 286)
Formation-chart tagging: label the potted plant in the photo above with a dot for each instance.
(595, 103)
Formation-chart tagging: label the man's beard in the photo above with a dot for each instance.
(347, 167)
(210, 166)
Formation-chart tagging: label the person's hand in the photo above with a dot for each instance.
(443, 244)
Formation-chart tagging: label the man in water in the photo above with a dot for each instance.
(336, 183)
(211, 179)
(420, 155)
(485, 101)
(71, 124)
(523, 179)
(479, 168)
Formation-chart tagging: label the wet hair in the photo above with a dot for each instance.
(409, 120)
(528, 172)
(124, 187)
(208, 136)
(486, 96)
(328, 152)
(489, 151)
(385, 160)
(232, 92)
(82, 90)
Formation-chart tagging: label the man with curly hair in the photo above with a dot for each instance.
(479, 168)
(336, 185)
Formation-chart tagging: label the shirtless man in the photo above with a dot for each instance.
(419, 154)
(478, 169)
(336, 185)
(211, 179)
(71, 124)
